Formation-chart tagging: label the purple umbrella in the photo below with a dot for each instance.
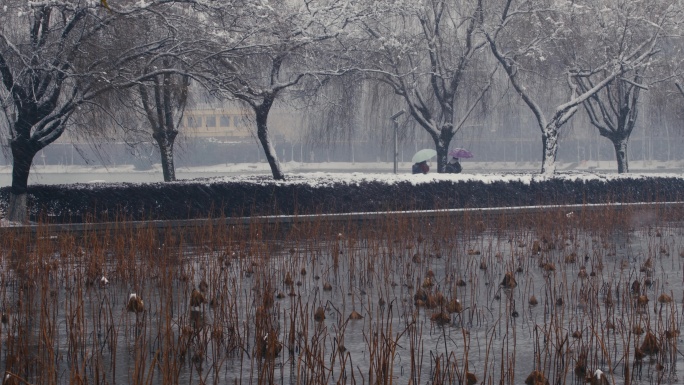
(460, 153)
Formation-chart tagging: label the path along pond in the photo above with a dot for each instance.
(446, 299)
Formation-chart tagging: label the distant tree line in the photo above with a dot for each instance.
(78, 64)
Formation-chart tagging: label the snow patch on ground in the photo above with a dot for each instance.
(469, 166)
(330, 179)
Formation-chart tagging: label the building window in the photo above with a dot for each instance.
(225, 121)
(194, 121)
(210, 121)
(235, 121)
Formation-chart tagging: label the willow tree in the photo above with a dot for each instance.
(187, 55)
(279, 49)
(430, 53)
(164, 110)
(55, 57)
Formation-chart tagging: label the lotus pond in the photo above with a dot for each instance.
(447, 299)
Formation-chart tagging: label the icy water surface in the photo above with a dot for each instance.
(256, 318)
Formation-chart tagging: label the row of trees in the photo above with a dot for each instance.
(71, 60)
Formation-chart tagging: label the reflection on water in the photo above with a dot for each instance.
(435, 305)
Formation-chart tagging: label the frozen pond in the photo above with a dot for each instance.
(432, 294)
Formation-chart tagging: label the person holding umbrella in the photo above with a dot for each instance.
(420, 159)
(420, 167)
(454, 166)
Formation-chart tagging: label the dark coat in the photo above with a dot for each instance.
(453, 168)
(420, 168)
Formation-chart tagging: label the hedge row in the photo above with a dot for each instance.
(78, 203)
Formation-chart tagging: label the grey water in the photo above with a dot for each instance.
(498, 335)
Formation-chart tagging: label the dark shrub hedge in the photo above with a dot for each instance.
(262, 196)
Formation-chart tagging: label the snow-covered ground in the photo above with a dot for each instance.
(61, 174)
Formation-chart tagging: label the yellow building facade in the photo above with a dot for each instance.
(216, 123)
(236, 124)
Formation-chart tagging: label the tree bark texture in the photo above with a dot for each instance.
(17, 211)
(442, 142)
(23, 151)
(262, 134)
(165, 143)
(169, 97)
(550, 150)
(620, 146)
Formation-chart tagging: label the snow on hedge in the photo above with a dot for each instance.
(322, 179)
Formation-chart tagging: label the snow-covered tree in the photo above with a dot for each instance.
(164, 100)
(613, 111)
(278, 51)
(431, 54)
(621, 25)
(55, 58)
(163, 97)
(560, 37)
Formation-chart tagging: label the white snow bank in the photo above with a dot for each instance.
(322, 179)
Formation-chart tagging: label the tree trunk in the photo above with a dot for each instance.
(17, 211)
(22, 157)
(166, 151)
(550, 146)
(442, 143)
(170, 98)
(269, 151)
(620, 145)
